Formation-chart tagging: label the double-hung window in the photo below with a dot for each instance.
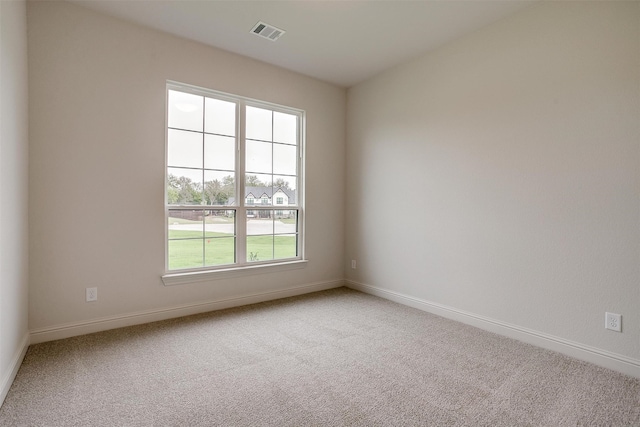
(221, 151)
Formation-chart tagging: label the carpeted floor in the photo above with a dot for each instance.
(331, 358)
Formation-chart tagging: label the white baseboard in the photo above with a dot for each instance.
(10, 375)
(112, 322)
(616, 362)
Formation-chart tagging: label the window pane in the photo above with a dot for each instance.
(286, 223)
(258, 124)
(258, 190)
(258, 157)
(186, 223)
(259, 221)
(185, 254)
(259, 235)
(286, 185)
(219, 223)
(259, 248)
(285, 159)
(220, 117)
(184, 186)
(219, 251)
(285, 128)
(185, 111)
(184, 149)
(219, 152)
(219, 188)
(285, 246)
(257, 180)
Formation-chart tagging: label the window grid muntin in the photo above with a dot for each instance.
(240, 207)
(203, 134)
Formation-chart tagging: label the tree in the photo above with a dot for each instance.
(213, 193)
(253, 181)
(281, 183)
(218, 193)
(172, 190)
(229, 185)
(182, 191)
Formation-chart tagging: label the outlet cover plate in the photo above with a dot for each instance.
(613, 322)
(92, 294)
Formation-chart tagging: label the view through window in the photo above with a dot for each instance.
(230, 161)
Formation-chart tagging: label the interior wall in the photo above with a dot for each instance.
(499, 174)
(97, 117)
(13, 188)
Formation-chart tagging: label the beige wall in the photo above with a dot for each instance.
(513, 151)
(97, 117)
(13, 190)
(507, 167)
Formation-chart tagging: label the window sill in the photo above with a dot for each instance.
(209, 275)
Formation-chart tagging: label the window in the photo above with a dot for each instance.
(279, 200)
(222, 149)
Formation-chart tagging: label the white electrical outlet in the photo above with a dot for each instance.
(353, 264)
(92, 294)
(613, 321)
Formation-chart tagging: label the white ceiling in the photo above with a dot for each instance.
(342, 42)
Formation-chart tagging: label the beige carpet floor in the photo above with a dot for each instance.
(332, 358)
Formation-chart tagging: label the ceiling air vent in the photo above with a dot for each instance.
(267, 31)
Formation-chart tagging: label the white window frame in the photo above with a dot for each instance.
(241, 208)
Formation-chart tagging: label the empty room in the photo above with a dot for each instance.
(322, 213)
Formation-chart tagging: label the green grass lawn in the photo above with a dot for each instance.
(219, 248)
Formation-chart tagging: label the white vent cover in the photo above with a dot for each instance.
(267, 31)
